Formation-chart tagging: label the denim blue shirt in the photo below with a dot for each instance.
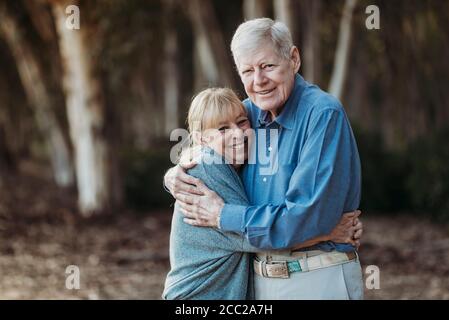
(303, 173)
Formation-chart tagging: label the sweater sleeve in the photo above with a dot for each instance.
(224, 180)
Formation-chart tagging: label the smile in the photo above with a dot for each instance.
(241, 144)
(265, 92)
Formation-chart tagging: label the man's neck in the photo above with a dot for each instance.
(272, 115)
(236, 166)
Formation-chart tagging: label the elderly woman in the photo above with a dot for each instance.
(312, 176)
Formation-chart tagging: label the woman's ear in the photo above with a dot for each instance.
(296, 58)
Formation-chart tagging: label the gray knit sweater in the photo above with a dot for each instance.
(207, 263)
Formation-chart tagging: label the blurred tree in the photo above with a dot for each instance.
(86, 115)
(213, 67)
(284, 10)
(16, 114)
(6, 160)
(171, 67)
(342, 51)
(130, 40)
(310, 47)
(38, 92)
(41, 18)
(253, 9)
(8, 154)
(147, 57)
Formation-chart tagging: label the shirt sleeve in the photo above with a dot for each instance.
(316, 195)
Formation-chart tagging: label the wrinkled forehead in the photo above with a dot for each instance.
(257, 55)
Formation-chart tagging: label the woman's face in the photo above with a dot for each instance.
(268, 78)
(231, 139)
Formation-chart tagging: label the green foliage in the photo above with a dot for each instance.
(143, 175)
(416, 179)
(428, 179)
(383, 174)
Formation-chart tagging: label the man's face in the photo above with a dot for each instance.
(268, 78)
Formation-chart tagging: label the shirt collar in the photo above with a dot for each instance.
(287, 117)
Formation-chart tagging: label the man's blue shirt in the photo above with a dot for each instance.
(301, 177)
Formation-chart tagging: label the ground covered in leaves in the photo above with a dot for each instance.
(125, 256)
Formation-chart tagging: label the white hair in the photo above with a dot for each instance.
(253, 34)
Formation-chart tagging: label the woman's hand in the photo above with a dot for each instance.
(348, 230)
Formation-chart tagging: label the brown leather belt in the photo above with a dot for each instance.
(282, 269)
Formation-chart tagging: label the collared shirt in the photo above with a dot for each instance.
(302, 175)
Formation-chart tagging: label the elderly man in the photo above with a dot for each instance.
(313, 175)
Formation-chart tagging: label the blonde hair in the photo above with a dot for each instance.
(208, 109)
(212, 106)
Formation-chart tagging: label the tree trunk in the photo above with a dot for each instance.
(255, 9)
(170, 72)
(41, 18)
(311, 65)
(212, 54)
(342, 52)
(86, 117)
(284, 11)
(6, 159)
(35, 85)
(142, 121)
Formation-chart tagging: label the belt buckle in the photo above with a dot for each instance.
(277, 269)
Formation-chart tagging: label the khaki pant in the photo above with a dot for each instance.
(339, 282)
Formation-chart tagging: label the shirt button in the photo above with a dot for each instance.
(270, 148)
(264, 179)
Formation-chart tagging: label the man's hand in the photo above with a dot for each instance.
(201, 210)
(348, 230)
(177, 180)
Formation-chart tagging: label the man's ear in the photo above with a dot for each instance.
(296, 58)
